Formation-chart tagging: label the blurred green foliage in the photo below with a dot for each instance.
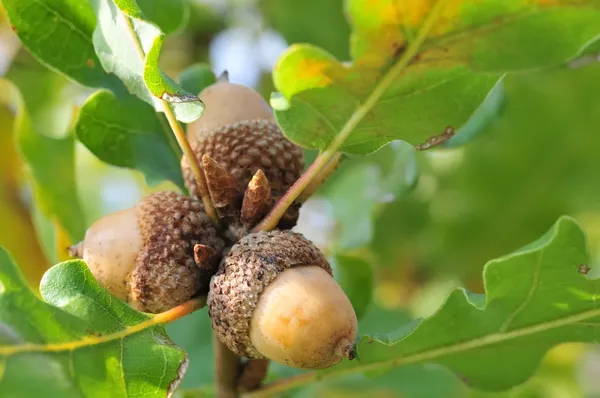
(535, 161)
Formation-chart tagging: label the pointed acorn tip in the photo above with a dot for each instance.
(207, 160)
(202, 254)
(257, 198)
(76, 250)
(259, 180)
(223, 187)
(216, 174)
(223, 77)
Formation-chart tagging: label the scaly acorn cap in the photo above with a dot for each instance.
(274, 297)
(238, 130)
(245, 147)
(145, 255)
(249, 267)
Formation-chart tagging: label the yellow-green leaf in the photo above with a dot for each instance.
(469, 46)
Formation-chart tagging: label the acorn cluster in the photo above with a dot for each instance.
(270, 294)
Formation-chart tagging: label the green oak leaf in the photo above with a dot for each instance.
(535, 298)
(469, 48)
(80, 341)
(128, 45)
(51, 164)
(59, 34)
(126, 132)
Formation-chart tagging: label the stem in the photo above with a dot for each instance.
(183, 142)
(252, 375)
(321, 177)
(180, 311)
(227, 366)
(272, 219)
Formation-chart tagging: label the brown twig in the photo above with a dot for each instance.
(227, 368)
(252, 374)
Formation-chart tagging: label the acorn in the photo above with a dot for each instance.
(236, 137)
(155, 255)
(274, 297)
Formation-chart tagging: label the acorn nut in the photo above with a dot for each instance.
(274, 297)
(235, 138)
(155, 255)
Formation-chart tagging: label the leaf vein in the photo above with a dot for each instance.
(530, 294)
(423, 89)
(322, 117)
(65, 21)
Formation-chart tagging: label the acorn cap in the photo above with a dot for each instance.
(245, 147)
(249, 267)
(165, 273)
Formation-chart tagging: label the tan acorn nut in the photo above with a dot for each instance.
(274, 297)
(238, 133)
(155, 255)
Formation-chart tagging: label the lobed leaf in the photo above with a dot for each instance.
(126, 132)
(468, 50)
(536, 298)
(50, 161)
(80, 341)
(128, 45)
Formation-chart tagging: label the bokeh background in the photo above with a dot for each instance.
(425, 223)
